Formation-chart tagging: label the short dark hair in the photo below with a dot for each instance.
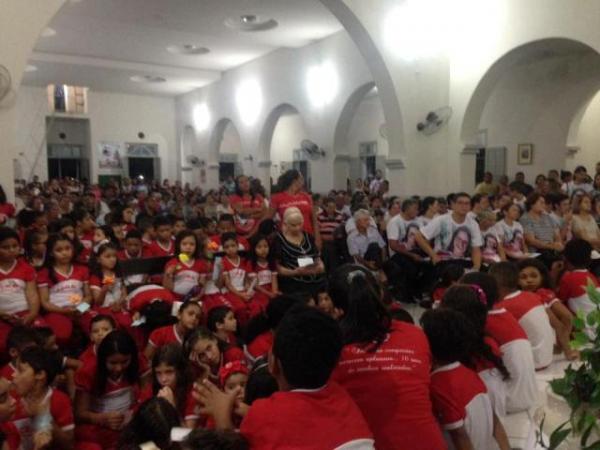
(42, 360)
(408, 203)
(461, 194)
(532, 199)
(21, 337)
(161, 221)
(307, 344)
(103, 318)
(228, 237)
(506, 275)
(578, 253)
(214, 440)
(133, 234)
(215, 316)
(8, 233)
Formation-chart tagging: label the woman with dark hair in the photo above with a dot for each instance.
(249, 206)
(290, 193)
(385, 365)
(541, 234)
(7, 209)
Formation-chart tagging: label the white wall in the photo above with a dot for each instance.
(365, 127)
(588, 138)
(231, 142)
(113, 118)
(288, 134)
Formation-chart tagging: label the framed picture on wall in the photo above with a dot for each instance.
(525, 154)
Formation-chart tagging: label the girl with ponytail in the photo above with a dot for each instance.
(384, 365)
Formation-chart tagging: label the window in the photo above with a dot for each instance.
(67, 99)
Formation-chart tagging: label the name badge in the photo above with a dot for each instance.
(305, 261)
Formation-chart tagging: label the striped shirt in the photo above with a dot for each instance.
(328, 224)
(542, 229)
(287, 255)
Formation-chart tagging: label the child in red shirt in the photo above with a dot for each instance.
(534, 277)
(208, 354)
(100, 326)
(222, 322)
(307, 347)
(264, 272)
(43, 414)
(84, 231)
(19, 338)
(236, 278)
(188, 318)
(187, 270)
(460, 398)
(573, 284)
(63, 287)
(108, 390)
(19, 300)
(164, 244)
(529, 311)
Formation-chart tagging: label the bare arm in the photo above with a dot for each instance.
(476, 257)
(500, 434)
(461, 439)
(33, 301)
(424, 244)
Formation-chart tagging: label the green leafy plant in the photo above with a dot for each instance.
(580, 385)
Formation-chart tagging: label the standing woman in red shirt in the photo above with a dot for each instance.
(249, 207)
(385, 365)
(7, 209)
(290, 193)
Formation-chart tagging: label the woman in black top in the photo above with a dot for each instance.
(299, 264)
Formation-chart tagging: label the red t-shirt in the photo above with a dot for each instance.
(165, 335)
(187, 275)
(8, 372)
(503, 327)
(156, 249)
(325, 418)
(13, 439)
(7, 210)
(520, 303)
(573, 284)
(261, 345)
(237, 272)
(60, 410)
(68, 287)
(548, 296)
(12, 287)
(282, 201)
(391, 388)
(149, 293)
(244, 225)
(482, 364)
(88, 356)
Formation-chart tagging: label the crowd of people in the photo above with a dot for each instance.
(140, 314)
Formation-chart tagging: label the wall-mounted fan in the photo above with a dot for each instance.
(194, 161)
(311, 149)
(435, 120)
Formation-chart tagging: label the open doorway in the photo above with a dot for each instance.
(141, 167)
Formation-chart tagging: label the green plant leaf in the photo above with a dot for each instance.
(594, 446)
(589, 422)
(558, 436)
(592, 292)
(578, 323)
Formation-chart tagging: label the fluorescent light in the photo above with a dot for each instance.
(201, 117)
(322, 84)
(249, 101)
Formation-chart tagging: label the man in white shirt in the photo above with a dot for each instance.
(580, 182)
(376, 183)
(456, 236)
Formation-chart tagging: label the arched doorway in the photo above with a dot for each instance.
(360, 141)
(225, 150)
(531, 95)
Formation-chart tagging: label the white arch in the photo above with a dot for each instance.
(268, 129)
(216, 138)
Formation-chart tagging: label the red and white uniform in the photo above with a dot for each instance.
(60, 410)
(113, 295)
(89, 355)
(12, 287)
(149, 293)
(68, 289)
(572, 290)
(391, 388)
(517, 356)
(155, 249)
(260, 346)
(244, 224)
(264, 275)
(497, 387)
(282, 201)
(531, 314)
(548, 297)
(286, 420)
(460, 400)
(187, 275)
(165, 335)
(237, 272)
(87, 240)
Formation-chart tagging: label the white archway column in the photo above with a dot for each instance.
(21, 22)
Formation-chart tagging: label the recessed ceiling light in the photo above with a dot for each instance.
(251, 22)
(30, 68)
(147, 79)
(187, 49)
(48, 32)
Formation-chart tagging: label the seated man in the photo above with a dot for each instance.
(366, 245)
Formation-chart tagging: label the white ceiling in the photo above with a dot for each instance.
(102, 43)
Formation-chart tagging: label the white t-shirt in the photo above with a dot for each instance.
(402, 230)
(453, 240)
(491, 242)
(512, 236)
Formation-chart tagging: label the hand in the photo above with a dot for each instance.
(170, 270)
(69, 310)
(241, 409)
(42, 439)
(27, 320)
(13, 320)
(114, 420)
(167, 393)
(435, 258)
(117, 306)
(300, 271)
(216, 402)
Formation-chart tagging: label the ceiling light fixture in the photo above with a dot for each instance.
(147, 79)
(250, 22)
(187, 49)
